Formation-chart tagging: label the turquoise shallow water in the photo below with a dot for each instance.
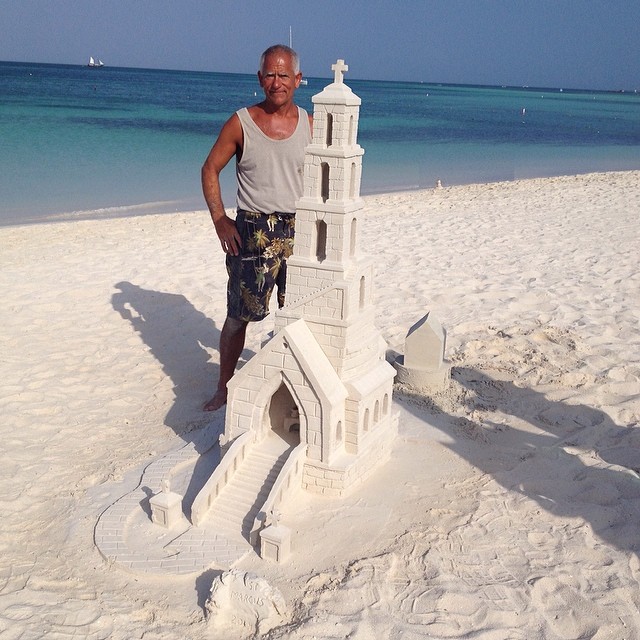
(76, 141)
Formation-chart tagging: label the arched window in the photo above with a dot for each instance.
(352, 133)
(324, 184)
(376, 412)
(339, 431)
(385, 404)
(329, 139)
(352, 181)
(365, 424)
(362, 292)
(321, 240)
(352, 245)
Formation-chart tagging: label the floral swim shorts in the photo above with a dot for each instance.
(267, 242)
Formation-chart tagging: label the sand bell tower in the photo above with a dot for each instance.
(330, 285)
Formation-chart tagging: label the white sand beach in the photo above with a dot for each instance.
(510, 507)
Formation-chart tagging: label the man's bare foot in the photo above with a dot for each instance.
(219, 400)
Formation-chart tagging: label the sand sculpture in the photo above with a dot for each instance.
(312, 409)
(321, 385)
(423, 366)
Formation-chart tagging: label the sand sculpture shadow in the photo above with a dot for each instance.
(573, 461)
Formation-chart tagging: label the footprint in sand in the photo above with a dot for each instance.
(563, 607)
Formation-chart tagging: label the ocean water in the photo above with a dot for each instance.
(78, 142)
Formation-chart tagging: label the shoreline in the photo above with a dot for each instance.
(509, 507)
(163, 208)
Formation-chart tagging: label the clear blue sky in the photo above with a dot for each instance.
(556, 43)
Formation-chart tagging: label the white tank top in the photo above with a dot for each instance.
(270, 172)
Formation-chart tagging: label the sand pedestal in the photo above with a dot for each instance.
(166, 508)
(275, 543)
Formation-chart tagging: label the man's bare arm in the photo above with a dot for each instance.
(228, 144)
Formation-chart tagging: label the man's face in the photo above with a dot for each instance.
(278, 80)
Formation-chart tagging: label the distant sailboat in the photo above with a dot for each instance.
(304, 80)
(94, 64)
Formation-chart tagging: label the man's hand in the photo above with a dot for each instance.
(230, 239)
(228, 144)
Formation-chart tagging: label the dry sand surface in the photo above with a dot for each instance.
(510, 508)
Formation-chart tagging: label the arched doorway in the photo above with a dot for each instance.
(282, 415)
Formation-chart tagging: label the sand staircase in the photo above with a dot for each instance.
(222, 536)
(234, 510)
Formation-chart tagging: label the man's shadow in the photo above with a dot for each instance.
(177, 335)
(547, 463)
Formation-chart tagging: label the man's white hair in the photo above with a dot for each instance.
(281, 48)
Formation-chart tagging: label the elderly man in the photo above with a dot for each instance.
(268, 141)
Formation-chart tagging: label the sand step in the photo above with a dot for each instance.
(235, 509)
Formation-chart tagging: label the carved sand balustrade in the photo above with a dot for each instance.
(221, 476)
(288, 482)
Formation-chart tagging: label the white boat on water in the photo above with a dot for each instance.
(94, 63)
(304, 80)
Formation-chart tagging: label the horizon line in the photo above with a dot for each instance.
(622, 90)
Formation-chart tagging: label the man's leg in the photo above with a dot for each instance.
(231, 346)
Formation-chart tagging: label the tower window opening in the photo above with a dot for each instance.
(352, 245)
(329, 138)
(324, 186)
(352, 181)
(321, 240)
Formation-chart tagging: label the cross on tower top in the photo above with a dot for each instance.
(338, 69)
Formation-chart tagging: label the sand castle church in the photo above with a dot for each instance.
(311, 409)
(323, 376)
